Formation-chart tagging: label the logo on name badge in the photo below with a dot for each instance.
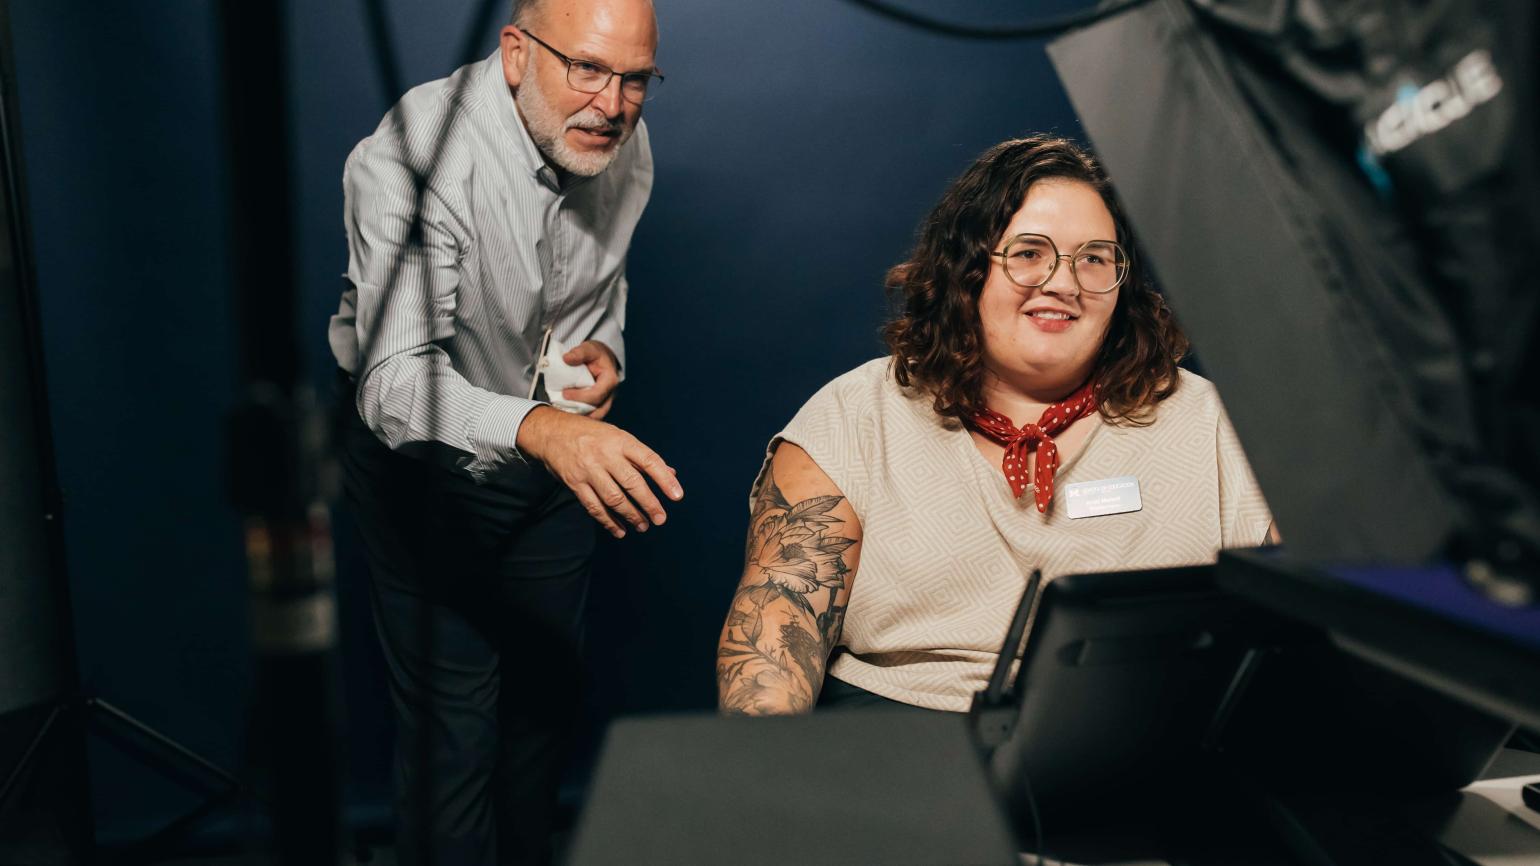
(1100, 498)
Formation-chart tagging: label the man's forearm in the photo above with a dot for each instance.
(419, 397)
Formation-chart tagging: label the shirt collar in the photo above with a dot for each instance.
(501, 97)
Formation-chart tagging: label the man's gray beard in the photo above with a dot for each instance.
(547, 128)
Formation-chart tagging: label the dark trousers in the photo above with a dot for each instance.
(840, 695)
(478, 594)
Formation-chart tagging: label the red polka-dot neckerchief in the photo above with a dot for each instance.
(1035, 437)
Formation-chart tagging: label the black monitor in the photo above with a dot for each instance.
(1434, 672)
(1142, 691)
(1123, 680)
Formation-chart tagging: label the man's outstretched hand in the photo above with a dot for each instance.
(604, 465)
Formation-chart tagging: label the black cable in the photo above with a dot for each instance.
(996, 691)
(1037, 820)
(384, 50)
(389, 72)
(1035, 30)
(422, 179)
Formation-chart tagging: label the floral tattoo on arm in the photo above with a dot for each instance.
(786, 615)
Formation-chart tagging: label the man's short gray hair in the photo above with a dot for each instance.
(524, 12)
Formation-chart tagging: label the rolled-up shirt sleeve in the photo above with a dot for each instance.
(1243, 512)
(408, 390)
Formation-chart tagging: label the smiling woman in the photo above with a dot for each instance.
(1015, 366)
(1032, 196)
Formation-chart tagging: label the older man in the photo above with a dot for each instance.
(469, 488)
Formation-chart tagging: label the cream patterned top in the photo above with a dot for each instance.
(946, 549)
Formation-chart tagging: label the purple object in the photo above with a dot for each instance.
(1441, 590)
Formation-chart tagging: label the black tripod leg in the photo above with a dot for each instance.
(162, 843)
(165, 742)
(26, 757)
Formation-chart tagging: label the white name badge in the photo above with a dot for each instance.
(1100, 498)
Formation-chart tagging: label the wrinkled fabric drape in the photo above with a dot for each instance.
(1341, 200)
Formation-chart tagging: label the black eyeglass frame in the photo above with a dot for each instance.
(1002, 255)
(645, 77)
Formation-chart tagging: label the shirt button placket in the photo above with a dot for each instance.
(559, 259)
(551, 297)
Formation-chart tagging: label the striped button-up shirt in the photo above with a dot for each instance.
(447, 353)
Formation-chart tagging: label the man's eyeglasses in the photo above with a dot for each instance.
(1031, 259)
(585, 76)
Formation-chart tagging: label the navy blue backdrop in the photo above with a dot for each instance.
(798, 144)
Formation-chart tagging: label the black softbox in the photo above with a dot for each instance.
(1341, 201)
(36, 663)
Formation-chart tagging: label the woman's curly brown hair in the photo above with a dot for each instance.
(937, 339)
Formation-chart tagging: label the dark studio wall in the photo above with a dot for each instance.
(798, 144)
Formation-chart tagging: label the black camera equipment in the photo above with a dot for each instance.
(1342, 209)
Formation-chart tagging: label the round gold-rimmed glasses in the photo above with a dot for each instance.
(1030, 261)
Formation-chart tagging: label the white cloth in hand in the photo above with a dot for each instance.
(559, 375)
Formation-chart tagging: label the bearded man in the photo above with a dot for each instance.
(488, 219)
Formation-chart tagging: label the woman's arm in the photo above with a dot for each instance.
(803, 548)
